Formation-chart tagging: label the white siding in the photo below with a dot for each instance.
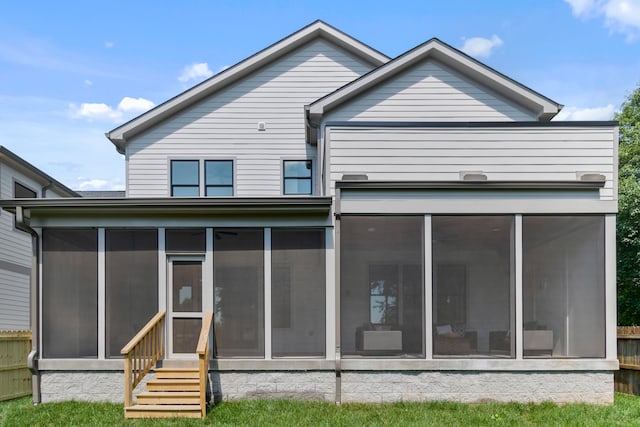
(430, 91)
(502, 153)
(226, 124)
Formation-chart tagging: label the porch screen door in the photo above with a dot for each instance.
(184, 306)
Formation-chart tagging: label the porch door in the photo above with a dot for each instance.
(184, 306)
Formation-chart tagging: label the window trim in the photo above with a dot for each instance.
(285, 178)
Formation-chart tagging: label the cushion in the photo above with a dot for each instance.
(444, 329)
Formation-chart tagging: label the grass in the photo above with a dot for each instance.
(624, 412)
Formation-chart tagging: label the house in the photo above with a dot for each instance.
(18, 180)
(363, 228)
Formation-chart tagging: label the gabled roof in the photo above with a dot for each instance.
(17, 162)
(544, 107)
(317, 29)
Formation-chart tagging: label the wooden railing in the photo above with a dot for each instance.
(142, 353)
(203, 360)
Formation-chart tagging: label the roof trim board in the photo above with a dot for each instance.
(173, 205)
(315, 30)
(529, 99)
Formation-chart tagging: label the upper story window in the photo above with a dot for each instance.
(22, 192)
(297, 177)
(218, 177)
(186, 179)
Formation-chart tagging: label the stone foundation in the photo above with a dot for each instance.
(358, 386)
(274, 385)
(97, 386)
(472, 386)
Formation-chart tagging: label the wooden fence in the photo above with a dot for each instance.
(15, 378)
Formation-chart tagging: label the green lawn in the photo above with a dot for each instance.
(625, 412)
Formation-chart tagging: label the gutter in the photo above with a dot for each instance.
(32, 358)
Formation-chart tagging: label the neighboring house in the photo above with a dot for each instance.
(18, 180)
(365, 229)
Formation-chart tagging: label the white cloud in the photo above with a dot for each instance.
(586, 114)
(109, 44)
(127, 108)
(622, 16)
(88, 82)
(581, 8)
(198, 71)
(481, 47)
(135, 105)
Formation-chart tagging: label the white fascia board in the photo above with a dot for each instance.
(121, 134)
(531, 100)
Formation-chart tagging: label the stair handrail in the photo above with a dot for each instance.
(203, 352)
(142, 353)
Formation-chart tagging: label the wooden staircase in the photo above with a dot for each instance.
(175, 391)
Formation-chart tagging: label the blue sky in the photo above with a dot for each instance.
(71, 71)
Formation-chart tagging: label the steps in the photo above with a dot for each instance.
(175, 392)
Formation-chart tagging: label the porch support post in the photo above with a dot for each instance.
(428, 289)
(611, 319)
(330, 294)
(518, 253)
(267, 293)
(102, 298)
(162, 272)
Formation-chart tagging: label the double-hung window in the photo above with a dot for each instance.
(186, 179)
(297, 177)
(218, 177)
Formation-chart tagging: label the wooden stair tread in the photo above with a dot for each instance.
(176, 369)
(168, 398)
(163, 408)
(169, 393)
(174, 380)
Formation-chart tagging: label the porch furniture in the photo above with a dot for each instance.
(382, 340)
(500, 342)
(378, 339)
(538, 343)
(448, 342)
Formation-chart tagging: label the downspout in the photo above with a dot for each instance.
(32, 358)
(338, 366)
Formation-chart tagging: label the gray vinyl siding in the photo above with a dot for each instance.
(430, 91)
(15, 250)
(501, 153)
(15, 246)
(226, 124)
(14, 300)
